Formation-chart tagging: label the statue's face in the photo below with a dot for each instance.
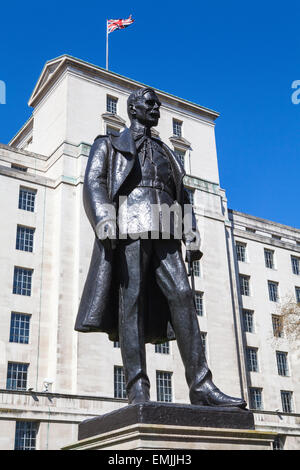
(147, 109)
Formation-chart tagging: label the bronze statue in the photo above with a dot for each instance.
(137, 289)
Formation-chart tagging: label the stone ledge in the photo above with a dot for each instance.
(153, 413)
(167, 437)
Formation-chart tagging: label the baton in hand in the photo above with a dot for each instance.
(191, 273)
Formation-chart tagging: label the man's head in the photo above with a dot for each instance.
(143, 106)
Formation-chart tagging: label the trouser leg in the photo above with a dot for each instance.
(172, 278)
(133, 264)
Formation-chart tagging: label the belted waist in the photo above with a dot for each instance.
(148, 183)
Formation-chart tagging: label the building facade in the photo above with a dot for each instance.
(51, 377)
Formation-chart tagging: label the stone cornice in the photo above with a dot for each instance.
(6, 149)
(114, 120)
(25, 130)
(180, 142)
(236, 217)
(53, 69)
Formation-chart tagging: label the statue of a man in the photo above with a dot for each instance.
(137, 289)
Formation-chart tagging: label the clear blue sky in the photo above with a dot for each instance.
(236, 57)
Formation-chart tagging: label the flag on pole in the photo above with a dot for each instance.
(112, 25)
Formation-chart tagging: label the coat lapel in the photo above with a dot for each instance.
(123, 159)
(178, 173)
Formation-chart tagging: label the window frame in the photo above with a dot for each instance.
(282, 365)
(13, 378)
(177, 127)
(112, 104)
(269, 262)
(119, 385)
(284, 394)
(246, 323)
(241, 253)
(162, 348)
(271, 285)
(26, 335)
(199, 303)
(22, 286)
(295, 261)
(181, 155)
(254, 404)
(27, 199)
(164, 386)
(33, 430)
(25, 241)
(244, 289)
(252, 359)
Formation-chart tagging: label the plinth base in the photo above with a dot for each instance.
(153, 425)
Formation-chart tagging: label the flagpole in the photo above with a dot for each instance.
(106, 45)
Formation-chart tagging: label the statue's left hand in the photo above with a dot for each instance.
(193, 255)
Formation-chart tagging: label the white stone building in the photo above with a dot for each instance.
(51, 377)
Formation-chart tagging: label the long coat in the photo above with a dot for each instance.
(110, 162)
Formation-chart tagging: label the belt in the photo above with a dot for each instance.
(147, 183)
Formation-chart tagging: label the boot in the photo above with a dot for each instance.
(209, 395)
(138, 392)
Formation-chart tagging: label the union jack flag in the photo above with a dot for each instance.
(112, 25)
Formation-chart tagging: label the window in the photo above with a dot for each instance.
(18, 167)
(25, 437)
(199, 303)
(27, 199)
(277, 326)
(282, 364)
(248, 321)
(244, 285)
(297, 292)
(111, 104)
(177, 128)
(256, 399)
(180, 154)
(163, 348)
(240, 251)
(269, 259)
(24, 239)
(191, 194)
(276, 237)
(251, 230)
(119, 382)
(196, 266)
(22, 281)
(164, 386)
(278, 443)
(19, 328)
(16, 376)
(204, 342)
(273, 291)
(252, 361)
(286, 400)
(295, 265)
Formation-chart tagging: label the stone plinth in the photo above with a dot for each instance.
(163, 426)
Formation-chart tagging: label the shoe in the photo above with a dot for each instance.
(210, 395)
(138, 392)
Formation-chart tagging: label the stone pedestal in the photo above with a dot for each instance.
(161, 426)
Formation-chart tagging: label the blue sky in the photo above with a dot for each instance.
(238, 58)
